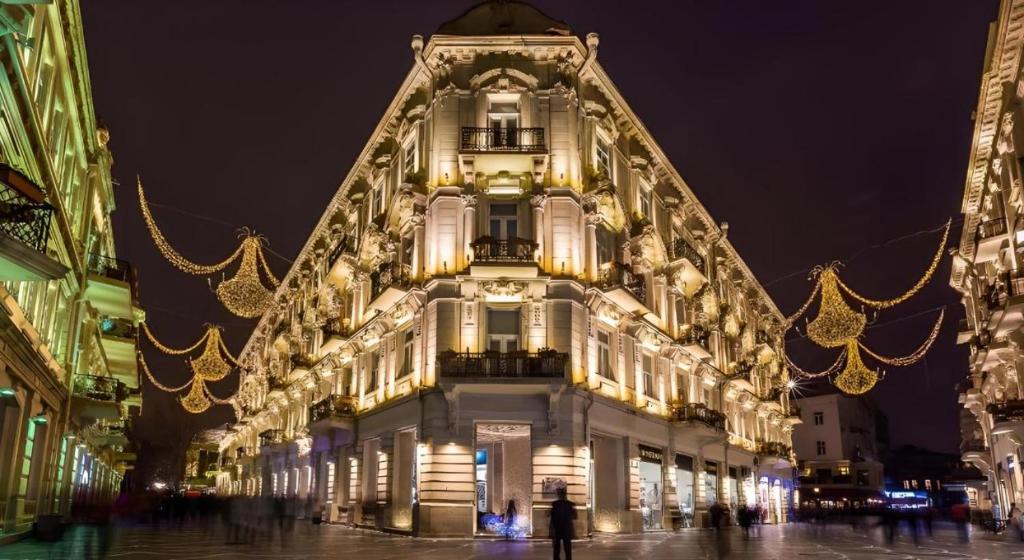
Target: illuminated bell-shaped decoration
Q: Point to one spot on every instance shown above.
(856, 378)
(196, 401)
(210, 365)
(244, 294)
(836, 324)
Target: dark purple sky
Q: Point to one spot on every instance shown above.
(814, 128)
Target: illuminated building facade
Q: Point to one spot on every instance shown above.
(837, 449)
(68, 377)
(514, 291)
(987, 269)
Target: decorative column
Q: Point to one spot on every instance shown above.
(538, 202)
(592, 219)
(672, 322)
(468, 228)
(418, 250)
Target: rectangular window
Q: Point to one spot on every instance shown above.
(409, 158)
(648, 371)
(906, 484)
(503, 330)
(26, 464)
(603, 152)
(821, 447)
(330, 482)
(373, 373)
(645, 194)
(407, 347)
(928, 484)
(377, 199)
(913, 484)
(819, 418)
(604, 354)
(504, 221)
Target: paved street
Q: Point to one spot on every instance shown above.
(309, 543)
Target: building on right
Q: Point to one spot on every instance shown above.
(838, 456)
(987, 268)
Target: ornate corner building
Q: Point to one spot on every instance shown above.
(986, 272)
(68, 376)
(513, 292)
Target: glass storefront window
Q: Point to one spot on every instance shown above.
(710, 483)
(650, 494)
(684, 488)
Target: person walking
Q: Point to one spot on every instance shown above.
(510, 520)
(563, 513)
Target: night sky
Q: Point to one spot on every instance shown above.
(816, 129)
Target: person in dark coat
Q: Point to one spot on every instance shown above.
(563, 512)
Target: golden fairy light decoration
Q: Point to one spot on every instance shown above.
(837, 325)
(244, 293)
(213, 364)
(856, 378)
(195, 401)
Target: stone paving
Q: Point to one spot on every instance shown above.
(307, 542)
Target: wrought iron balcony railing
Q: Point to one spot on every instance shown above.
(1011, 410)
(99, 388)
(115, 326)
(695, 412)
(973, 446)
(389, 274)
(483, 139)
(347, 244)
(547, 364)
(618, 275)
(681, 249)
(696, 334)
(23, 213)
(773, 448)
(513, 249)
(271, 437)
(335, 406)
(991, 228)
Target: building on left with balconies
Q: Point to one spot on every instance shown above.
(69, 382)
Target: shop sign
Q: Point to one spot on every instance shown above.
(650, 454)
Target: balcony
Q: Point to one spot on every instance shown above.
(992, 235)
(625, 288)
(502, 366)
(515, 250)
(774, 455)
(388, 284)
(695, 341)
(964, 331)
(793, 417)
(118, 337)
(682, 249)
(333, 412)
(1007, 418)
(482, 140)
(276, 384)
(24, 230)
(98, 398)
(111, 288)
(1006, 303)
(700, 415)
(271, 437)
(975, 452)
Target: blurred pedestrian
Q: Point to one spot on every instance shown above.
(562, 529)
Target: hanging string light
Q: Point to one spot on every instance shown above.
(914, 356)
(152, 378)
(244, 293)
(832, 369)
(836, 324)
(856, 378)
(886, 303)
(196, 400)
(216, 361)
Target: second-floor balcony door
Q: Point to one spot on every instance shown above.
(504, 221)
(503, 120)
(503, 330)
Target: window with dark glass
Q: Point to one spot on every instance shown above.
(503, 330)
(504, 220)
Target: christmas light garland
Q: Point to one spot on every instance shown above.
(914, 356)
(152, 378)
(886, 303)
(832, 369)
(244, 293)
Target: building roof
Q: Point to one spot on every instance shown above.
(503, 17)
